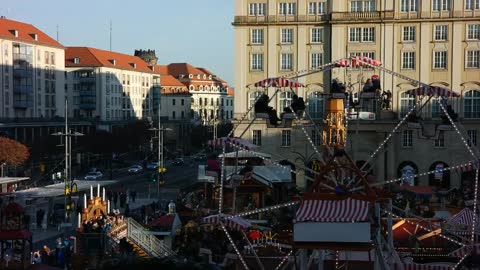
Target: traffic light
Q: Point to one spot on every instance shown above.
(154, 177)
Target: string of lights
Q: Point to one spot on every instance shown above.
(284, 260)
(265, 209)
(234, 246)
(475, 197)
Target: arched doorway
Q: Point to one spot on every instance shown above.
(440, 178)
(407, 170)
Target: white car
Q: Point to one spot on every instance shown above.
(92, 176)
(135, 169)
(152, 165)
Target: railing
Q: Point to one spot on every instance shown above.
(149, 243)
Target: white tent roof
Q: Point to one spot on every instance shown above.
(8, 180)
(268, 174)
(245, 154)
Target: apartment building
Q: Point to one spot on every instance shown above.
(212, 98)
(434, 41)
(109, 86)
(32, 73)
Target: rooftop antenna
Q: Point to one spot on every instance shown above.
(110, 35)
(57, 34)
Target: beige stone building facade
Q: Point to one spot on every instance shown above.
(434, 41)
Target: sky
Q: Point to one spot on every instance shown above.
(193, 31)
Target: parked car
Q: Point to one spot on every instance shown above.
(178, 162)
(92, 176)
(135, 169)
(200, 157)
(152, 165)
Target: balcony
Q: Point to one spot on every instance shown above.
(87, 79)
(23, 73)
(87, 105)
(88, 93)
(22, 89)
(362, 16)
(23, 104)
(239, 20)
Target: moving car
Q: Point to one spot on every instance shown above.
(178, 162)
(135, 169)
(92, 176)
(152, 165)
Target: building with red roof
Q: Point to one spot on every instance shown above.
(33, 72)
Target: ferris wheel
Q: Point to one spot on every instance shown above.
(341, 196)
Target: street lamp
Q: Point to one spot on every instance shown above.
(68, 160)
(161, 168)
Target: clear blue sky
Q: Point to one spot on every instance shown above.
(193, 31)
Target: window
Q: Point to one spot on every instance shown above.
(257, 61)
(173, 115)
(257, 36)
(316, 138)
(256, 9)
(473, 32)
(317, 35)
(441, 32)
(182, 102)
(408, 6)
(441, 5)
(440, 141)
(173, 102)
(252, 98)
(286, 61)
(316, 60)
(472, 137)
(285, 99)
(286, 137)
(183, 114)
(409, 33)
(407, 138)
(47, 57)
(257, 137)
(286, 35)
(471, 105)
(440, 60)
(436, 109)
(354, 34)
(316, 7)
(316, 105)
(287, 8)
(472, 4)
(362, 6)
(408, 60)
(52, 58)
(473, 59)
(368, 34)
(407, 101)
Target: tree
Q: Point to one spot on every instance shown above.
(12, 152)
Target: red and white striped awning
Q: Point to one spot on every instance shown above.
(278, 82)
(432, 91)
(233, 141)
(348, 210)
(464, 217)
(236, 223)
(357, 61)
(470, 166)
(459, 253)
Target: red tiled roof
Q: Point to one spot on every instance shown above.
(169, 80)
(230, 91)
(176, 69)
(100, 58)
(161, 69)
(25, 33)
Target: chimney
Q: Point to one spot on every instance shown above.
(112, 61)
(34, 36)
(14, 32)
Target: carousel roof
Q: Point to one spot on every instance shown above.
(348, 210)
(464, 217)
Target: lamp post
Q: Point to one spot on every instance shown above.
(68, 159)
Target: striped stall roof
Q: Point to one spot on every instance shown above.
(278, 82)
(347, 210)
(464, 217)
(357, 61)
(417, 266)
(432, 91)
(236, 223)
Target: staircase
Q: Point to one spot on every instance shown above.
(144, 244)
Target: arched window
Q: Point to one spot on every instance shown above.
(285, 99)
(200, 88)
(440, 178)
(211, 101)
(191, 87)
(193, 101)
(252, 96)
(407, 101)
(200, 101)
(316, 105)
(471, 104)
